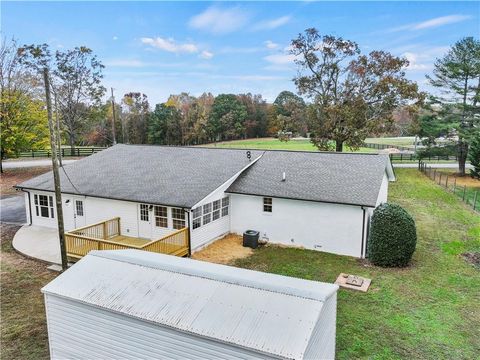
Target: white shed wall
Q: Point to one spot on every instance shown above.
(80, 331)
(333, 228)
(322, 341)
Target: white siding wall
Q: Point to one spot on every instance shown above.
(77, 330)
(383, 193)
(322, 341)
(27, 208)
(326, 227)
(202, 236)
(98, 209)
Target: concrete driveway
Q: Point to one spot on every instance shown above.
(12, 209)
(38, 242)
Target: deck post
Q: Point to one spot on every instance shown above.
(104, 230)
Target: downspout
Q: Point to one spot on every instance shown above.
(363, 253)
(29, 205)
(189, 233)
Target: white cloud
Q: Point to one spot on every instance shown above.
(280, 59)
(205, 55)
(423, 58)
(170, 45)
(220, 21)
(271, 24)
(270, 44)
(115, 38)
(432, 23)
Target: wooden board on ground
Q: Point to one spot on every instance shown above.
(347, 281)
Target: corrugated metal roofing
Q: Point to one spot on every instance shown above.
(179, 176)
(315, 176)
(268, 313)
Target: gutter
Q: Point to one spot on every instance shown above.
(362, 252)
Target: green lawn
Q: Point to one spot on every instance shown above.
(430, 310)
(275, 144)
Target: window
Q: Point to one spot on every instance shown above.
(144, 215)
(267, 204)
(197, 217)
(178, 216)
(44, 206)
(161, 217)
(207, 213)
(216, 209)
(225, 203)
(79, 207)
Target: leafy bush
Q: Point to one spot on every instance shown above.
(474, 157)
(392, 238)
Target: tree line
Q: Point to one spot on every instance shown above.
(343, 96)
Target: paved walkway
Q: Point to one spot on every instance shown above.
(12, 209)
(38, 242)
(32, 163)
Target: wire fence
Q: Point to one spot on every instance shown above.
(469, 195)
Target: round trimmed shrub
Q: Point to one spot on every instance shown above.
(393, 236)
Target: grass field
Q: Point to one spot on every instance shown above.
(23, 330)
(430, 310)
(401, 141)
(275, 144)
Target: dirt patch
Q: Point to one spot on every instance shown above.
(461, 180)
(11, 177)
(472, 258)
(224, 251)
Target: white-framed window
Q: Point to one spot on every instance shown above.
(79, 207)
(197, 217)
(216, 209)
(161, 216)
(144, 213)
(207, 213)
(178, 216)
(267, 204)
(225, 203)
(44, 206)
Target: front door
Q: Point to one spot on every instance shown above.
(144, 221)
(79, 212)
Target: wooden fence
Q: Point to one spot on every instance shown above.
(470, 196)
(65, 152)
(106, 235)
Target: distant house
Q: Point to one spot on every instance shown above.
(133, 304)
(316, 200)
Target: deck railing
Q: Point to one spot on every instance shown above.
(101, 236)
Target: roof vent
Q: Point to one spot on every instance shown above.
(283, 176)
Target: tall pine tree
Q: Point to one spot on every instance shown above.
(474, 156)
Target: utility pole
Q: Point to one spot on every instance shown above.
(59, 139)
(113, 122)
(56, 176)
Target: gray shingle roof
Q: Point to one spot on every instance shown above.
(179, 176)
(315, 176)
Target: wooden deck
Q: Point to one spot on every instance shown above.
(106, 235)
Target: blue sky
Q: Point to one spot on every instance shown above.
(163, 48)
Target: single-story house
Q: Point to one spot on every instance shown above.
(131, 304)
(316, 200)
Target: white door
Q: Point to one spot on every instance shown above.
(144, 221)
(79, 212)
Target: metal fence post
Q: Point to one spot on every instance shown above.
(464, 190)
(475, 200)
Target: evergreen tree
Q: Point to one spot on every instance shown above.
(474, 156)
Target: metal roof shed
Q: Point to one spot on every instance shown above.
(135, 304)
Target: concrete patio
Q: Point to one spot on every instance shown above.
(38, 242)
